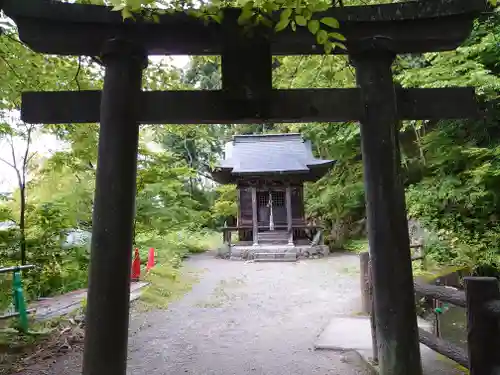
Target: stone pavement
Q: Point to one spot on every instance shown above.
(354, 333)
(49, 308)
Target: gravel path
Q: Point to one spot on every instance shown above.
(244, 318)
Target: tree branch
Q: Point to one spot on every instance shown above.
(8, 163)
(29, 129)
(78, 72)
(14, 162)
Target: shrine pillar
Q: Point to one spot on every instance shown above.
(255, 223)
(394, 296)
(107, 317)
(289, 218)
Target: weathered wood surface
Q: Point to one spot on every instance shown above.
(443, 347)
(455, 297)
(493, 308)
(392, 279)
(246, 65)
(285, 106)
(366, 301)
(74, 29)
(107, 316)
(294, 226)
(483, 330)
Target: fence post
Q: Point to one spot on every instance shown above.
(372, 314)
(366, 303)
(367, 298)
(483, 331)
(19, 303)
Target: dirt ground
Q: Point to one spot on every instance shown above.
(241, 318)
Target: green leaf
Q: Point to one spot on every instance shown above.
(313, 26)
(134, 5)
(321, 6)
(118, 7)
(337, 36)
(248, 6)
(266, 21)
(245, 15)
(282, 25)
(285, 14)
(307, 14)
(328, 47)
(339, 45)
(293, 25)
(126, 13)
(216, 17)
(322, 37)
(300, 20)
(331, 22)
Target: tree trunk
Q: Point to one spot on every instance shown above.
(22, 224)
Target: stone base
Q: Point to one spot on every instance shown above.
(354, 334)
(276, 252)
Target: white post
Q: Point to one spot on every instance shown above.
(289, 218)
(255, 224)
(271, 218)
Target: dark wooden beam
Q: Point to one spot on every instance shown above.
(483, 331)
(285, 106)
(107, 316)
(450, 295)
(246, 64)
(76, 29)
(443, 347)
(392, 279)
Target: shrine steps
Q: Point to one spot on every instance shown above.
(273, 238)
(275, 257)
(276, 253)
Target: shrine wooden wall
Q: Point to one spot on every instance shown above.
(245, 203)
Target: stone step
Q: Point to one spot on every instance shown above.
(273, 236)
(275, 257)
(273, 242)
(274, 260)
(273, 232)
(273, 239)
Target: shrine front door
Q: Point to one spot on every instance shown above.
(271, 212)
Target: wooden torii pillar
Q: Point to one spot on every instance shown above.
(375, 35)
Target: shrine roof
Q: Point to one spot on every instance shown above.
(270, 154)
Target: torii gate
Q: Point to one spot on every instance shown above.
(375, 34)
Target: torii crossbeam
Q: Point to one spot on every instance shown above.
(375, 35)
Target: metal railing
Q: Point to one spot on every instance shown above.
(18, 296)
(481, 299)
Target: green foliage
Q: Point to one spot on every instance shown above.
(225, 205)
(292, 14)
(451, 168)
(455, 192)
(356, 246)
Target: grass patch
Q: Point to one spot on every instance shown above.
(167, 283)
(356, 246)
(169, 280)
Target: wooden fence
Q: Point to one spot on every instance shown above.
(481, 299)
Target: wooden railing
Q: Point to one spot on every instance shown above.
(481, 299)
(227, 231)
